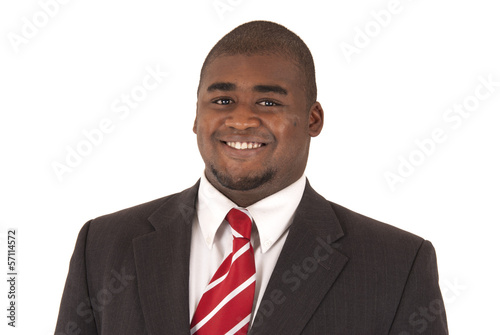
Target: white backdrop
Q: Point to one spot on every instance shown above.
(411, 92)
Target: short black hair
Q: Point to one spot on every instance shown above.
(264, 37)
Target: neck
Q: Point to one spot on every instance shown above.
(245, 198)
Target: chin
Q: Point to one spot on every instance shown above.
(245, 183)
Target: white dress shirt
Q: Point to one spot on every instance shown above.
(212, 242)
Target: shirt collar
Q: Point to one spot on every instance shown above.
(272, 215)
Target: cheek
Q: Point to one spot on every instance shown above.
(202, 137)
(293, 136)
(291, 128)
(209, 121)
(205, 126)
(283, 126)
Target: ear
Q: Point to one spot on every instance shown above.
(316, 117)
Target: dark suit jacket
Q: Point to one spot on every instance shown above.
(339, 273)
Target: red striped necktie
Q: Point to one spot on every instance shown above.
(226, 304)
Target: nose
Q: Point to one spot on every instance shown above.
(242, 117)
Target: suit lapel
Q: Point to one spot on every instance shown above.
(162, 263)
(306, 269)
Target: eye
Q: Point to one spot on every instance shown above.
(223, 101)
(268, 103)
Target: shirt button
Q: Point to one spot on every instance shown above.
(208, 240)
(267, 243)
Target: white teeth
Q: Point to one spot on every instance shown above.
(244, 145)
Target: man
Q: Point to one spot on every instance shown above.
(251, 247)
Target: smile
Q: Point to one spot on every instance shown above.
(244, 145)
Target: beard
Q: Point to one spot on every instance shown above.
(242, 184)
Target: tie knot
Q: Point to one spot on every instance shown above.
(241, 223)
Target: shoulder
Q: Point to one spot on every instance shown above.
(126, 224)
(353, 231)
(375, 241)
(129, 219)
(137, 212)
(360, 225)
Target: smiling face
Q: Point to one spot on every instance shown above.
(253, 125)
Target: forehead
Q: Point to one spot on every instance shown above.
(249, 70)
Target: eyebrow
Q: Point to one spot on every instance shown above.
(223, 86)
(270, 89)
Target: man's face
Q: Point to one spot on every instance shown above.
(253, 124)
